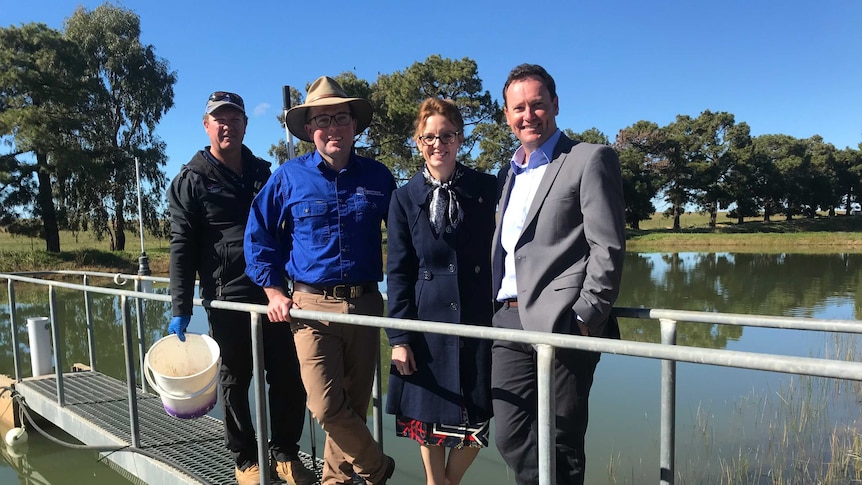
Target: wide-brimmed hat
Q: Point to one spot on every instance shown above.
(326, 91)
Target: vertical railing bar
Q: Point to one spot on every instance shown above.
(134, 425)
(91, 334)
(260, 395)
(547, 414)
(13, 325)
(142, 343)
(58, 342)
(377, 399)
(668, 406)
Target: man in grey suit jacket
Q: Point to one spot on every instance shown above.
(557, 262)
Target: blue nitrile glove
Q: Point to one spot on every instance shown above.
(179, 325)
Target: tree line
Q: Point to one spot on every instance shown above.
(78, 107)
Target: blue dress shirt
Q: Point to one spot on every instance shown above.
(312, 224)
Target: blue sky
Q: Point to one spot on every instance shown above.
(787, 67)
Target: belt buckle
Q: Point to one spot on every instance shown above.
(339, 292)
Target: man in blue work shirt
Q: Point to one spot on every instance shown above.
(317, 225)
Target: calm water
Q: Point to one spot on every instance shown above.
(724, 416)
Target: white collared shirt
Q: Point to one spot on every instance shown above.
(527, 176)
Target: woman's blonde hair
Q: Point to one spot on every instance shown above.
(442, 107)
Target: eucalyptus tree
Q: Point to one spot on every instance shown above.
(396, 98)
(677, 149)
(135, 88)
(715, 141)
(791, 163)
(641, 158)
(849, 176)
(42, 88)
(747, 183)
(825, 191)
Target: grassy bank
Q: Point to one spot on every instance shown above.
(819, 235)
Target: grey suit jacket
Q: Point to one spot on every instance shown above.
(569, 257)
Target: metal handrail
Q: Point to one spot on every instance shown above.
(545, 344)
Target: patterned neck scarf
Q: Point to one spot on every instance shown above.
(444, 211)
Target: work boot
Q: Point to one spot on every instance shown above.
(249, 476)
(294, 472)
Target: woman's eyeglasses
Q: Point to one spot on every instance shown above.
(445, 138)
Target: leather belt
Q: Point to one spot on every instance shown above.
(339, 292)
(510, 303)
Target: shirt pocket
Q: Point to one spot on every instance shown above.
(311, 223)
(367, 206)
(361, 206)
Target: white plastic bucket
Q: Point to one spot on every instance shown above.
(184, 374)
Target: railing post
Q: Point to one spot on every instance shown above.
(260, 395)
(58, 342)
(547, 410)
(91, 336)
(130, 373)
(377, 399)
(668, 405)
(13, 325)
(142, 343)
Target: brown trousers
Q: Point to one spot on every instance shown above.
(337, 363)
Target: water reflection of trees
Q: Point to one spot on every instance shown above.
(764, 284)
(107, 322)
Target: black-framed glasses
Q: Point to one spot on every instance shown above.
(228, 97)
(323, 121)
(445, 138)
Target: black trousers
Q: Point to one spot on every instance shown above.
(232, 331)
(514, 390)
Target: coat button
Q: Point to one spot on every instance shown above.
(426, 275)
(460, 344)
(451, 268)
(477, 269)
(453, 306)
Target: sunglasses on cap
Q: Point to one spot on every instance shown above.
(227, 97)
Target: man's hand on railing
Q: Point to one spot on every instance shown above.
(278, 308)
(178, 325)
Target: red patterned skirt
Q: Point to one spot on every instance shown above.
(470, 435)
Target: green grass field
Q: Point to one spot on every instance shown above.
(821, 234)
(81, 251)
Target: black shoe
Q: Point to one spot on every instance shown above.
(390, 469)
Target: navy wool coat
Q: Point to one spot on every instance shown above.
(445, 278)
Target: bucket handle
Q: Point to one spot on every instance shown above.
(167, 394)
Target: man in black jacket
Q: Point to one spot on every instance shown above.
(209, 203)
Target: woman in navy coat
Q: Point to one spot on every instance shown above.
(438, 268)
